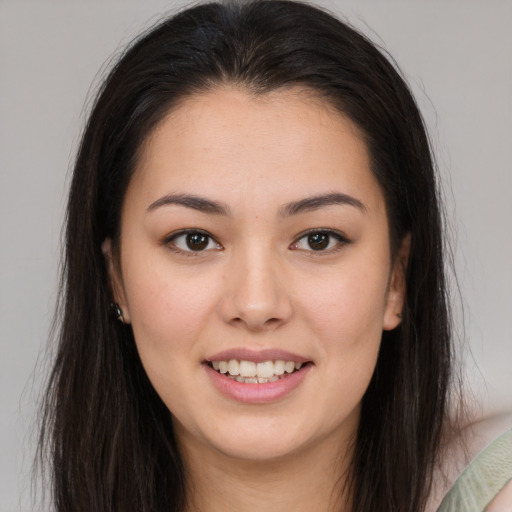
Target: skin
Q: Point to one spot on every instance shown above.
(258, 285)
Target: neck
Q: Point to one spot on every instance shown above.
(309, 480)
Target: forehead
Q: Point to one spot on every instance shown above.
(227, 141)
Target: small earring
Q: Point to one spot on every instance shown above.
(399, 315)
(117, 312)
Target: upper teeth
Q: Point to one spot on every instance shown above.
(266, 369)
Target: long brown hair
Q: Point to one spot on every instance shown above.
(108, 435)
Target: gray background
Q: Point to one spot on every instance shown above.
(456, 54)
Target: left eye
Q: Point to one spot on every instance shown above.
(319, 241)
(195, 241)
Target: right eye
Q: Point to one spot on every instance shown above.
(193, 241)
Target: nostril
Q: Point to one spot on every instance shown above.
(254, 324)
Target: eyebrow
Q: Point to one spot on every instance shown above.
(309, 204)
(211, 207)
(190, 201)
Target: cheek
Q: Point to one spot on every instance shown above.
(349, 305)
(346, 317)
(169, 314)
(346, 320)
(168, 310)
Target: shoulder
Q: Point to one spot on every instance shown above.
(463, 453)
(503, 500)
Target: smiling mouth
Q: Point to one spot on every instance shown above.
(249, 372)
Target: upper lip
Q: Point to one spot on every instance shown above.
(257, 356)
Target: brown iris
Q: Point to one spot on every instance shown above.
(196, 241)
(318, 241)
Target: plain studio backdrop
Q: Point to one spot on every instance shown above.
(457, 56)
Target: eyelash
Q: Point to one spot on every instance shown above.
(340, 238)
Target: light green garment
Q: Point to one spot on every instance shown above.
(483, 479)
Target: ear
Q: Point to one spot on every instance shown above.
(116, 283)
(397, 286)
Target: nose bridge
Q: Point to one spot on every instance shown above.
(254, 295)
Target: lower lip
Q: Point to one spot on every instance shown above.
(257, 393)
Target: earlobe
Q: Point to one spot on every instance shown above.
(397, 287)
(116, 285)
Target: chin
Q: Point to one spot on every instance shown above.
(260, 450)
(261, 439)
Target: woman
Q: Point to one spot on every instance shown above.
(255, 309)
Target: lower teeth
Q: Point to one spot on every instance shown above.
(256, 380)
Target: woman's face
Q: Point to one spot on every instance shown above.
(254, 239)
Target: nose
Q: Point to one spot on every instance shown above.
(256, 294)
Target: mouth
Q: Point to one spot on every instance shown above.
(250, 372)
